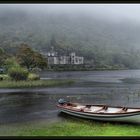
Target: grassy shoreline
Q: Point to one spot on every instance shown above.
(36, 83)
(74, 127)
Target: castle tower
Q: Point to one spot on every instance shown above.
(72, 58)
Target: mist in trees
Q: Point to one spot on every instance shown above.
(106, 35)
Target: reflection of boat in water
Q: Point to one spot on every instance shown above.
(100, 112)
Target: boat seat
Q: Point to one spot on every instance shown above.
(72, 104)
(88, 106)
(123, 110)
(103, 108)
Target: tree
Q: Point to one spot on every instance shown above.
(53, 41)
(1, 50)
(30, 58)
(39, 60)
(3, 56)
(10, 62)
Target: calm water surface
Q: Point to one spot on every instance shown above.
(101, 87)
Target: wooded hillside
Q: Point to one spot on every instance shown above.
(102, 41)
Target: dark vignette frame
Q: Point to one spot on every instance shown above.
(69, 2)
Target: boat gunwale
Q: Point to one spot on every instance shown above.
(95, 116)
(102, 113)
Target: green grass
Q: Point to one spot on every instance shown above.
(71, 128)
(36, 83)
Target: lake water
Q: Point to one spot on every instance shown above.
(101, 87)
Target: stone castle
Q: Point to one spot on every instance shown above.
(55, 59)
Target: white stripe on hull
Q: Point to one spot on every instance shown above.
(133, 118)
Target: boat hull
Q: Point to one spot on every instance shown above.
(133, 118)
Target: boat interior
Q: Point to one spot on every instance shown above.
(101, 108)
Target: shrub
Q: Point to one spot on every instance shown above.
(33, 76)
(4, 77)
(18, 73)
(35, 70)
(10, 62)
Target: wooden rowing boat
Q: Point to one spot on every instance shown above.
(100, 112)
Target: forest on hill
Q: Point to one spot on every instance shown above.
(103, 41)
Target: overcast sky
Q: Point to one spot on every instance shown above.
(130, 11)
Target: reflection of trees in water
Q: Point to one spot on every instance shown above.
(25, 102)
(26, 106)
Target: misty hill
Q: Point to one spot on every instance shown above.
(102, 41)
